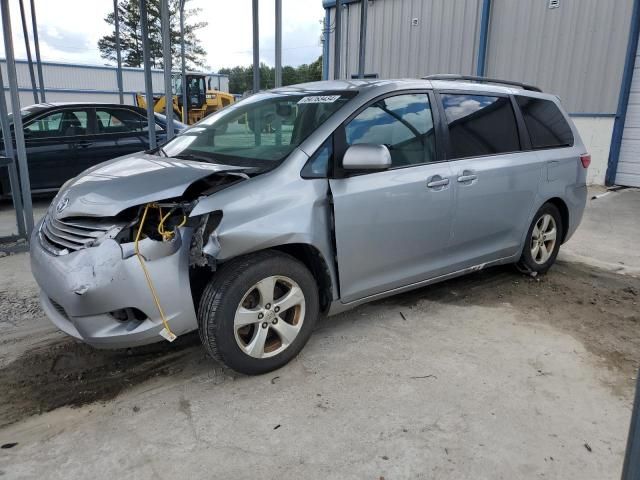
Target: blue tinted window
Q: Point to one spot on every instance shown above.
(546, 125)
(403, 123)
(318, 165)
(480, 125)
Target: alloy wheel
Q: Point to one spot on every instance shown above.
(543, 239)
(269, 316)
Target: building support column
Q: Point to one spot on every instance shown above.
(278, 67)
(23, 166)
(364, 7)
(36, 42)
(183, 67)
(116, 18)
(326, 32)
(27, 46)
(484, 38)
(166, 62)
(337, 29)
(148, 84)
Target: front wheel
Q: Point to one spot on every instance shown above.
(543, 240)
(258, 312)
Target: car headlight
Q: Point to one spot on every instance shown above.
(211, 96)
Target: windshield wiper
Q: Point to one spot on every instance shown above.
(191, 156)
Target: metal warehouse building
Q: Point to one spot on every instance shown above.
(69, 82)
(582, 50)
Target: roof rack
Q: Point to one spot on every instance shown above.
(471, 78)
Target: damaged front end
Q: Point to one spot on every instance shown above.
(120, 280)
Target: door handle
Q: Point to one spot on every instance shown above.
(84, 144)
(437, 181)
(467, 177)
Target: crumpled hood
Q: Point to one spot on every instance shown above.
(108, 188)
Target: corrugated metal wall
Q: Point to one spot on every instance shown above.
(444, 39)
(66, 83)
(628, 172)
(576, 51)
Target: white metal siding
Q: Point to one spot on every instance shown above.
(444, 41)
(628, 172)
(82, 83)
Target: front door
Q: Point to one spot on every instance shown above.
(52, 142)
(392, 227)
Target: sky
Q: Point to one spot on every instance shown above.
(69, 30)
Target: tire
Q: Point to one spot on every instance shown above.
(240, 289)
(540, 251)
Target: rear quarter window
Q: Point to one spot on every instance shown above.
(545, 123)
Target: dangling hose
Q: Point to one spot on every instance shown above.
(166, 235)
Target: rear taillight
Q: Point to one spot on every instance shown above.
(585, 160)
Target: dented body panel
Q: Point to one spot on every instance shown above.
(274, 209)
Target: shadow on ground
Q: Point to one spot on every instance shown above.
(70, 373)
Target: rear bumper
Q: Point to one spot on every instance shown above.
(81, 291)
(576, 199)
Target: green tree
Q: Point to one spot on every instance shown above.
(241, 78)
(130, 35)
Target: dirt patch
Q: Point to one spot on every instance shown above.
(599, 308)
(69, 373)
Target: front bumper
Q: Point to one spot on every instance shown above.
(81, 291)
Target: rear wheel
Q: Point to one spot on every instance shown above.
(543, 240)
(258, 312)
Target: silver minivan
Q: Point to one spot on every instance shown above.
(309, 200)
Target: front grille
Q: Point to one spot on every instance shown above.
(61, 237)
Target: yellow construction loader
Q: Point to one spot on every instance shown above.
(202, 97)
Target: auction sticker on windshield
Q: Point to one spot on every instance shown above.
(319, 99)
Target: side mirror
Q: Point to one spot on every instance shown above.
(366, 157)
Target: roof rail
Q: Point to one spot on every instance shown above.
(471, 78)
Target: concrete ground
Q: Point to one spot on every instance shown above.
(608, 235)
(493, 375)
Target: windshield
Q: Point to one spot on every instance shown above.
(259, 131)
(27, 111)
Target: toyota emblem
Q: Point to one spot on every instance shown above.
(62, 204)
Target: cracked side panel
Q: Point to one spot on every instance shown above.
(274, 209)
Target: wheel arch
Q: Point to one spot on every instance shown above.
(313, 259)
(307, 254)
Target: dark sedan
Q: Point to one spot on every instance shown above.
(64, 139)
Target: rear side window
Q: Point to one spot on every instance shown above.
(545, 123)
(119, 121)
(480, 125)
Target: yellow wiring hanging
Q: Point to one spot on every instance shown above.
(166, 332)
(168, 234)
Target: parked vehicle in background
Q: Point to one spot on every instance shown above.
(356, 190)
(64, 139)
